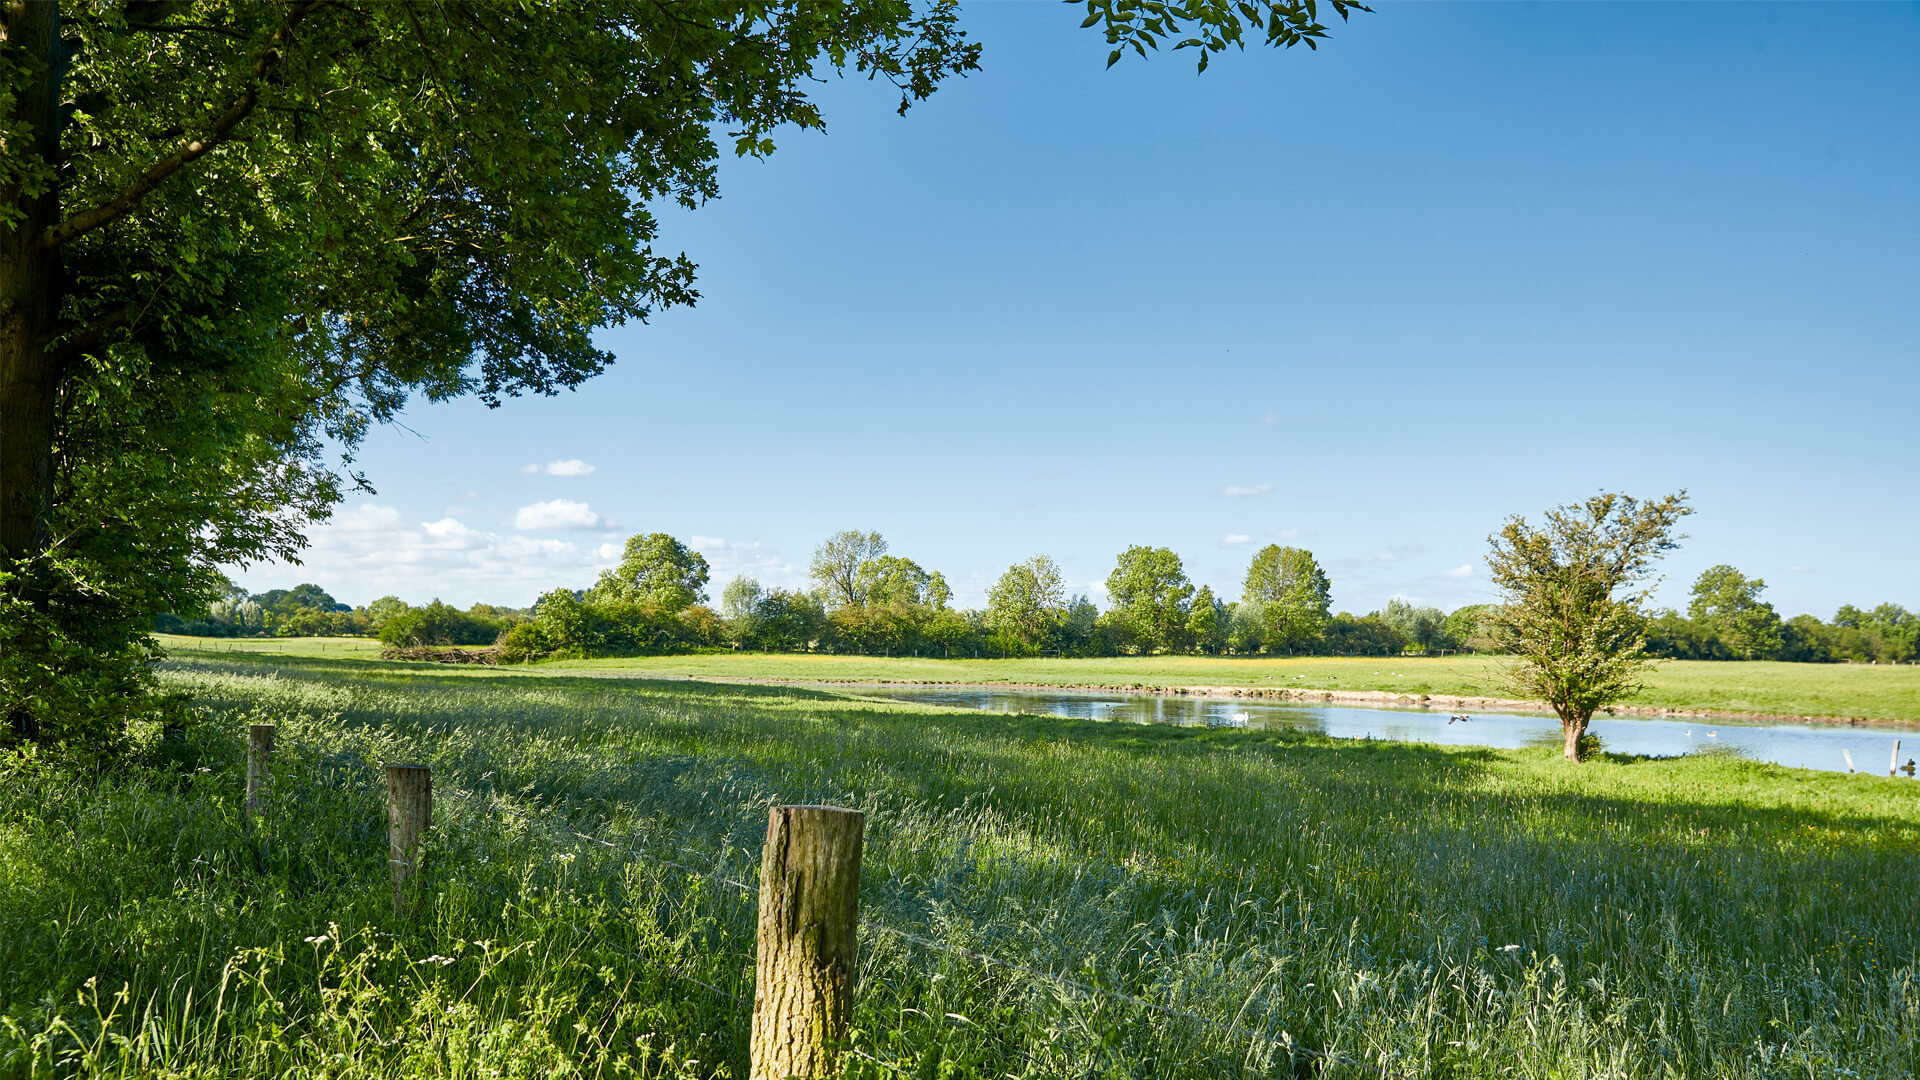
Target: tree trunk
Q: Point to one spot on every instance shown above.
(30, 281)
(807, 950)
(1574, 730)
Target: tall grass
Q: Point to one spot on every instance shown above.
(1426, 911)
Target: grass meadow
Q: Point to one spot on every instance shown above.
(1882, 692)
(1390, 909)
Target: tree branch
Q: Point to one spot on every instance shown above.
(113, 209)
(186, 28)
(92, 336)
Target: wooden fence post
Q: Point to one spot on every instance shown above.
(409, 811)
(258, 754)
(1893, 767)
(807, 947)
(1848, 754)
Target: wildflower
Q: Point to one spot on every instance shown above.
(317, 939)
(1509, 948)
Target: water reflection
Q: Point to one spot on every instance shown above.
(1807, 746)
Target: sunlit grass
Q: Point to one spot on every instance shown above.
(1886, 692)
(1435, 911)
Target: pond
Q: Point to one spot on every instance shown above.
(1802, 745)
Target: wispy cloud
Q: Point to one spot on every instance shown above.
(1463, 570)
(728, 559)
(1241, 491)
(557, 514)
(1236, 538)
(569, 467)
(1269, 419)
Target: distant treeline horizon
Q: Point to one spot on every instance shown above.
(865, 600)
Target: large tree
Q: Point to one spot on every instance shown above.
(1028, 602)
(1151, 597)
(234, 232)
(1292, 594)
(231, 232)
(1727, 604)
(1573, 592)
(837, 561)
(657, 570)
(892, 581)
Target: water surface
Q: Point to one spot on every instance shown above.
(1805, 745)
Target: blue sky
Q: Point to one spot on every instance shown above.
(1465, 261)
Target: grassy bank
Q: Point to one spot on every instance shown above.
(1871, 692)
(1434, 912)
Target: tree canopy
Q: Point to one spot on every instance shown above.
(1292, 592)
(837, 561)
(233, 235)
(1028, 601)
(657, 570)
(1727, 604)
(1151, 597)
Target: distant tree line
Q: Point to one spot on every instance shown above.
(310, 611)
(1726, 620)
(864, 599)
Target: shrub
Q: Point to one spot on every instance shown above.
(438, 624)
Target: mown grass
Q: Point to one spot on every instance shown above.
(1885, 692)
(1430, 911)
(337, 647)
(1879, 692)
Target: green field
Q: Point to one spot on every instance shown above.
(1427, 911)
(1867, 691)
(1835, 690)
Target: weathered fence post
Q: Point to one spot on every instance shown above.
(258, 758)
(1848, 754)
(409, 811)
(807, 948)
(1893, 766)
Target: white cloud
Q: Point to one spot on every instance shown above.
(569, 467)
(370, 550)
(365, 518)
(1289, 534)
(1238, 490)
(1269, 419)
(1463, 570)
(1237, 538)
(557, 514)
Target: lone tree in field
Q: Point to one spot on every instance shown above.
(1572, 592)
